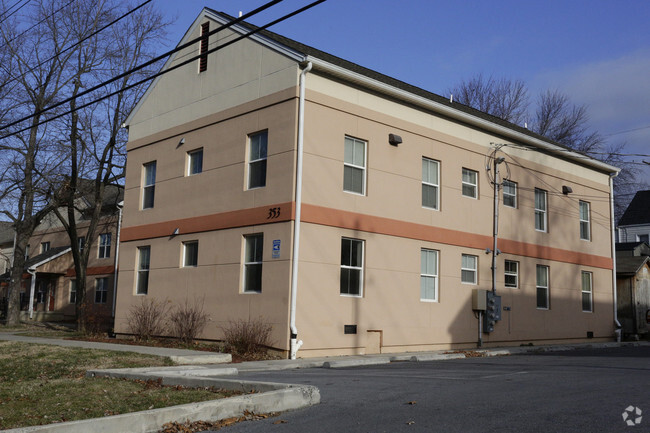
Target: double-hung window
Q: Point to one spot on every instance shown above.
(144, 259)
(81, 243)
(428, 275)
(194, 162)
(509, 193)
(148, 184)
(587, 292)
(190, 254)
(257, 154)
(253, 254)
(511, 274)
(351, 267)
(104, 251)
(430, 183)
(73, 292)
(585, 221)
(540, 210)
(354, 166)
(470, 183)
(468, 269)
(542, 287)
(101, 290)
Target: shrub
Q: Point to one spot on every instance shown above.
(248, 337)
(187, 320)
(96, 321)
(148, 319)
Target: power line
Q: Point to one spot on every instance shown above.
(231, 23)
(135, 69)
(9, 16)
(41, 21)
(628, 130)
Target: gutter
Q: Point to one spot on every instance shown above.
(120, 207)
(456, 114)
(611, 210)
(294, 342)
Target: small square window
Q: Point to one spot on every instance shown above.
(468, 268)
(45, 247)
(194, 162)
(190, 254)
(470, 183)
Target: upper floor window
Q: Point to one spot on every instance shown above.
(258, 144)
(81, 243)
(643, 238)
(351, 267)
(104, 251)
(191, 254)
(428, 275)
(144, 259)
(511, 274)
(468, 269)
(148, 184)
(587, 292)
(540, 210)
(194, 162)
(354, 166)
(509, 193)
(542, 287)
(430, 183)
(470, 183)
(203, 48)
(253, 255)
(585, 221)
(45, 247)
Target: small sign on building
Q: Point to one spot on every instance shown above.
(276, 249)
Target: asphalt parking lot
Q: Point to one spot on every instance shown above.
(585, 390)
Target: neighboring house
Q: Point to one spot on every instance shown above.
(633, 287)
(634, 225)
(49, 286)
(6, 258)
(377, 228)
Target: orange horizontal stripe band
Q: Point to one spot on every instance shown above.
(354, 221)
(240, 218)
(95, 270)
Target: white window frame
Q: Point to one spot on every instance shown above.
(589, 291)
(545, 287)
(260, 161)
(187, 257)
(143, 271)
(427, 274)
(464, 269)
(194, 162)
(468, 183)
(45, 247)
(257, 260)
(81, 243)
(431, 183)
(541, 211)
(104, 246)
(101, 290)
(511, 195)
(72, 294)
(509, 273)
(353, 267)
(148, 185)
(351, 164)
(585, 221)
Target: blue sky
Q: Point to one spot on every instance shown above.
(596, 51)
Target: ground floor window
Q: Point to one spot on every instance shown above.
(428, 275)
(542, 287)
(587, 292)
(73, 292)
(253, 257)
(351, 267)
(144, 258)
(101, 290)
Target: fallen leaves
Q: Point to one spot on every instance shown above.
(199, 426)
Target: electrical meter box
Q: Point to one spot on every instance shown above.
(479, 299)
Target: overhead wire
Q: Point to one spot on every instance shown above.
(12, 13)
(151, 77)
(40, 22)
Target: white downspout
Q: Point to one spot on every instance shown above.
(294, 342)
(120, 206)
(32, 289)
(611, 209)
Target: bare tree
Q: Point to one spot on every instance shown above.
(500, 97)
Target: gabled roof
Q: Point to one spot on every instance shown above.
(45, 257)
(628, 266)
(638, 211)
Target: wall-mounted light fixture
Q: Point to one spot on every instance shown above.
(394, 139)
(180, 143)
(566, 189)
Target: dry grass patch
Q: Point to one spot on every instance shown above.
(45, 384)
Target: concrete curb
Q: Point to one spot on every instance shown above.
(356, 362)
(271, 397)
(216, 358)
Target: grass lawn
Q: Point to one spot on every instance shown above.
(42, 384)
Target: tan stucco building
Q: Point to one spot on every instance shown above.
(394, 203)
